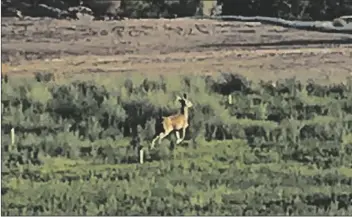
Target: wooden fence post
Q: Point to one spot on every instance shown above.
(141, 156)
(230, 99)
(12, 136)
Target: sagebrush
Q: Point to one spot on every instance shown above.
(271, 150)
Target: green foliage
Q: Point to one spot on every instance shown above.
(274, 150)
(159, 8)
(287, 9)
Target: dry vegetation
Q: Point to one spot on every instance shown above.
(75, 150)
(173, 46)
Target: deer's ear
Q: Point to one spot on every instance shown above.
(178, 98)
(185, 96)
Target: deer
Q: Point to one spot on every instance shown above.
(175, 122)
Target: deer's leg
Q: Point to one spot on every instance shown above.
(178, 137)
(179, 140)
(160, 137)
(183, 134)
(163, 135)
(153, 142)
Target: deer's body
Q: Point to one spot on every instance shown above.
(175, 122)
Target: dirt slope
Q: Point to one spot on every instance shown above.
(172, 46)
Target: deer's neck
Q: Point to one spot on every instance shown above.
(184, 112)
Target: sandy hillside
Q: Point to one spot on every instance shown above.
(173, 46)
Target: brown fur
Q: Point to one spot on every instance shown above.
(175, 122)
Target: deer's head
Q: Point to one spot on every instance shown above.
(185, 103)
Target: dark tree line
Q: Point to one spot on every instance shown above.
(287, 9)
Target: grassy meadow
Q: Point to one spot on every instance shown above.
(279, 148)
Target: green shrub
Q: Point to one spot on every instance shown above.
(282, 150)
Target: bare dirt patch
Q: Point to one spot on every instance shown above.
(173, 46)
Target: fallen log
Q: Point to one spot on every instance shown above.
(339, 25)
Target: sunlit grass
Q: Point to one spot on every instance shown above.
(241, 168)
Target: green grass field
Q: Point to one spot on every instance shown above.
(275, 150)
